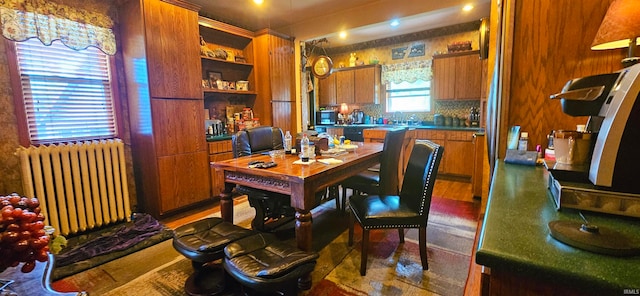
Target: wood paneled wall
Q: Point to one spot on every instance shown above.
(551, 45)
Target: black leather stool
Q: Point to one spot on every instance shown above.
(203, 242)
(265, 265)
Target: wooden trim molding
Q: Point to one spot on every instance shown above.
(184, 4)
(18, 99)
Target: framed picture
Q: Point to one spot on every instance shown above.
(417, 50)
(240, 60)
(398, 53)
(213, 77)
(206, 83)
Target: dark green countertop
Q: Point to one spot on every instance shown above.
(515, 235)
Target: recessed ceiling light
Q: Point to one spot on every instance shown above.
(467, 7)
(394, 23)
(343, 35)
(259, 2)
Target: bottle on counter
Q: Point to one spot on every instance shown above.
(287, 143)
(304, 148)
(523, 142)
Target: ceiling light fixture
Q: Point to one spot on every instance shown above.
(343, 35)
(395, 23)
(259, 2)
(467, 7)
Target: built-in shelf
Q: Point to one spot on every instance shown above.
(227, 61)
(228, 91)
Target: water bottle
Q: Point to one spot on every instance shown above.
(287, 143)
(304, 148)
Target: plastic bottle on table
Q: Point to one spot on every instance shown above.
(304, 148)
(287, 143)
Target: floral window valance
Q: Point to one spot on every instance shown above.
(49, 21)
(409, 72)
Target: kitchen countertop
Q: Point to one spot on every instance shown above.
(515, 236)
(436, 127)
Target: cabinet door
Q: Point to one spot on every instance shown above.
(327, 91)
(177, 126)
(344, 87)
(444, 78)
(459, 158)
(184, 180)
(365, 85)
(468, 76)
(173, 51)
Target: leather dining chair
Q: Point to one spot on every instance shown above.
(408, 209)
(272, 209)
(385, 180)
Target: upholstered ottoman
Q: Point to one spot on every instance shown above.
(264, 265)
(203, 242)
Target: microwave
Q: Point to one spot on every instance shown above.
(326, 117)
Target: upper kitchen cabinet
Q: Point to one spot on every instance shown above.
(228, 54)
(353, 85)
(162, 73)
(457, 76)
(275, 78)
(326, 90)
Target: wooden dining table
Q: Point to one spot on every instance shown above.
(300, 181)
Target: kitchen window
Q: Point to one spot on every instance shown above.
(409, 96)
(65, 95)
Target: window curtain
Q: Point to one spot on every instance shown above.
(49, 21)
(409, 72)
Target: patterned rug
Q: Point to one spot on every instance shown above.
(392, 269)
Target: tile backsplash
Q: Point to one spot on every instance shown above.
(458, 108)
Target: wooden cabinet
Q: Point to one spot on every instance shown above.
(163, 71)
(275, 103)
(218, 151)
(353, 85)
(335, 131)
(345, 87)
(238, 44)
(326, 91)
(458, 157)
(457, 76)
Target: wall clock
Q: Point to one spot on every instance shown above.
(484, 38)
(321, 66)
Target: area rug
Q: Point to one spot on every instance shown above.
(103, 245)
(393, 268)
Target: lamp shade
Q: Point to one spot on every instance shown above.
(620, 25)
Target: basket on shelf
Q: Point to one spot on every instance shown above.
(459, 46)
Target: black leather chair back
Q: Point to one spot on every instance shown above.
(420, 176)
(389, 161)
(257, 140)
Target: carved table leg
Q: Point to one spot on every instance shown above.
(226, 202)
(303, 237)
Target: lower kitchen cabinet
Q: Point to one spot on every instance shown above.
(458, 157)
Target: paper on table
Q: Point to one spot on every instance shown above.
(299, 161)
(330, 161)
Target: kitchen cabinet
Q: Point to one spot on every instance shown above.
(275, 102)
(326, 91)
(457, 76)
(458, 157)
(335, 131)
(353, 85)
(163, 77)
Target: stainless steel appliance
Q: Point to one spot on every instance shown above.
(607, 182)
(357, 117)
(326, 117)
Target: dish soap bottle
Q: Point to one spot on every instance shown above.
(523, 142)
(287, 143)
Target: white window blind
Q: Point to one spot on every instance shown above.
(67, 93)
(409, 96)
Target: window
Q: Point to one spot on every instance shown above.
(67, 94)
(407, 96)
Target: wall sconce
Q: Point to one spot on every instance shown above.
(620, 28)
